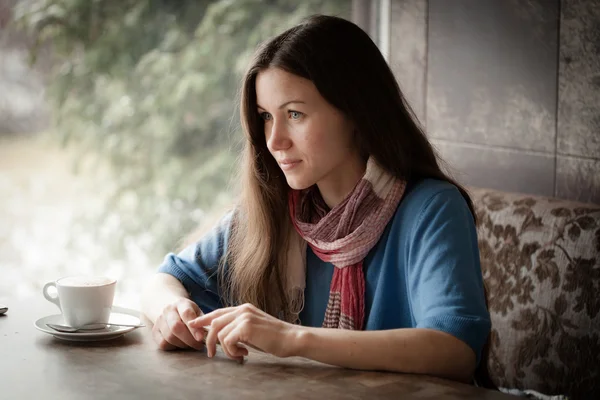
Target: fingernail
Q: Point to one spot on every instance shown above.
(198, 336)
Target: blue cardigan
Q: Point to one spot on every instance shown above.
(423, 273)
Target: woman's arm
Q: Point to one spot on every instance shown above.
(162, 290)
(166, 303)
(189, 274)
(410, 350)
(185, 286)
(444, 287)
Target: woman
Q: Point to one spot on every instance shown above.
(349, 245)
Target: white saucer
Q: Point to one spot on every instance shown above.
(118, 316)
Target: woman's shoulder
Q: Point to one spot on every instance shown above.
(428, 198)
(428, 205)
(420, 194)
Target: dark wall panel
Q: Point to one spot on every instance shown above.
(579, 79)
(509, 170)
(578, 178)
(509, 89)
(408, 55)
(492, 68)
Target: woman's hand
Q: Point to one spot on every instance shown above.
(171, 330)
(248, 325)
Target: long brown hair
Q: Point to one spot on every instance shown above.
(349, 71)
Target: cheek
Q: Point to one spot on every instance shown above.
(325, 140)
(310, 138)
(316, 142)
(320, 149)
(332, 141)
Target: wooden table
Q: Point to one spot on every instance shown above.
(35, 365)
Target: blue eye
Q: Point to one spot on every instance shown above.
(266, 116)
(295, 114)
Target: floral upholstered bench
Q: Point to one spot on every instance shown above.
(541, 266)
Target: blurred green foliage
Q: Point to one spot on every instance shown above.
(149, 87)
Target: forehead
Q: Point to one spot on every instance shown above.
(275, 86)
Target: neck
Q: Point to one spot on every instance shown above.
(335, 187)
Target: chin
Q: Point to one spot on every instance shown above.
(299, 184)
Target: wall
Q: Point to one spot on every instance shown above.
(509, 91)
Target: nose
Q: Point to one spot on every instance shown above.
(277, 136)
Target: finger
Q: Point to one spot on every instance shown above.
(230, 339)
(206, 319)
(180, 331)
(189, 310)
(230, 348)
(221, 336)
(162, 344)
(210, 342)
(215, 327)
(241, 336)
(168, 335)
(158, 337)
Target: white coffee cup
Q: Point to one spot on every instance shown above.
(83, 300)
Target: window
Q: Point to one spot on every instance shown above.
(122, 136)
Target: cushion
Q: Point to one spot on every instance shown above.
(541, 268)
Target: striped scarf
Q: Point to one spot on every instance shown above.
(342, 236)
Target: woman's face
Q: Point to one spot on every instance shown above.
(310, 139)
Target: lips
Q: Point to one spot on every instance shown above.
(288, 164)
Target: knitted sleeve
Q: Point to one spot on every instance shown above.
(196, 266)
(444, 278)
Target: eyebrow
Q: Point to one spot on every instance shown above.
(284, 104)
